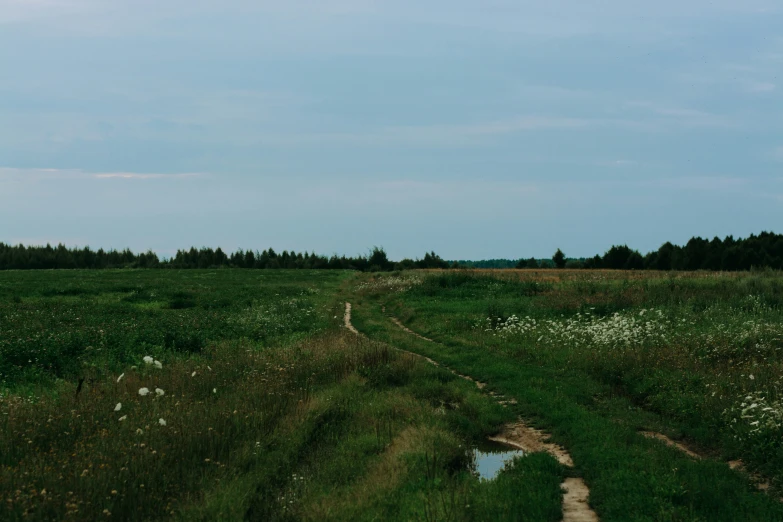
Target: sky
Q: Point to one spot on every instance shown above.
(491, 129)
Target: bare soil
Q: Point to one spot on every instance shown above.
(575, 507)
(347, 319)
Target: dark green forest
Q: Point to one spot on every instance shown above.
(22, 257)
(764, 250)
(756, 251)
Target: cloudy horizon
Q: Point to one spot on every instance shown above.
(503, 129)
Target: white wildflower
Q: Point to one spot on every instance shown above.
(161, 422)
(159, 392)
(144, 392)
(193, 374)
(123, 418)
(214, 390)
(118, 407)
(120, 377)
(147, 359)
(158, 365)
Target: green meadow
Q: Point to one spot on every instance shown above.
(235, 394)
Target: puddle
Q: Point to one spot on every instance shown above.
(516, 439)
(491, 457)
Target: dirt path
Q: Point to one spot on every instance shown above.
(521, 436)
(673, 443)
(761, 483)
(399, 323)
(347, 319)
(575, 506)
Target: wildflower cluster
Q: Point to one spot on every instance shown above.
(149, 361)
(640, 328)
(143, 391)
(740, 341)
(391, 283)
(756, 417)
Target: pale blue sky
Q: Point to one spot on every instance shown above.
(500, 128)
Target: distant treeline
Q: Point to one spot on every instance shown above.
(22, 257)
(508, 263)
(756, 251)
(488, 263)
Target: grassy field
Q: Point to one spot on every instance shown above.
(598, 357)
(233, 395)
(239, 395)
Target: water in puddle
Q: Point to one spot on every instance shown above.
(491, 457)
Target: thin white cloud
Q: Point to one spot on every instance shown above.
(754, 75)
(699, 183)
(447, 134)
(81, 174)
(26, 10)
(431, 189)
(536, 19)
(617, 163)
(388, 196)
(523, 123)
(759, 87)
(136, 175)
(682, 116)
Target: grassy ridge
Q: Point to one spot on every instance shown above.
(594, 391)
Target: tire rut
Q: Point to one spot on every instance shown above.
(518, 435)
(761, 483)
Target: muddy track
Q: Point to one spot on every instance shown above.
(761, 483)
(518, 435)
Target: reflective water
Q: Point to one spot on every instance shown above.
(491, 457)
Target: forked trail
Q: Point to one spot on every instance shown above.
(518, 435)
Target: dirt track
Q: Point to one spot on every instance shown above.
(520, 436)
